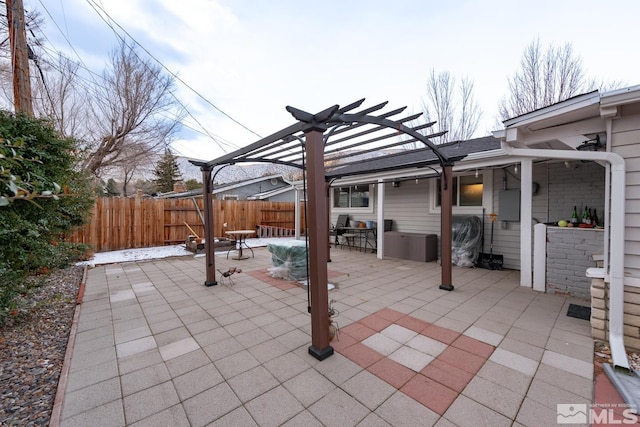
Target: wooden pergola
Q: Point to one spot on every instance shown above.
(314, 144)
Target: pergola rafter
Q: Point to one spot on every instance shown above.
(303, 145)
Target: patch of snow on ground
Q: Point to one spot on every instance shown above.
(157, 252)
(139, 254)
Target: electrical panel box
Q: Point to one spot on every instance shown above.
(509, 205)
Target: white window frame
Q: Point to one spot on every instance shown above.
(487, 195)
(368, 209)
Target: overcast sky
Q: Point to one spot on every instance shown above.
(252, 58)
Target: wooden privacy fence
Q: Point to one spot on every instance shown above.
(120, 223)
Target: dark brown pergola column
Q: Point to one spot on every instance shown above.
(328, 188)
(209, 245)
(446, 203)
(317, 213)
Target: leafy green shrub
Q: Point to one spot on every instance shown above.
(52, 198)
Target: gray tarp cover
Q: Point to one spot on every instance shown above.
(289, 259)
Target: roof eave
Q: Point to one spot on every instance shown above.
(618, 97)
(572, 104)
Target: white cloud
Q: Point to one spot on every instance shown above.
(251, 58)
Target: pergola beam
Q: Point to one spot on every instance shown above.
(285, 144)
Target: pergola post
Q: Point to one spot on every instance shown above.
(328, 203)
(446, 203)
(318, 236)
(209, 244)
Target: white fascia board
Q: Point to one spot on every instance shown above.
(560, 108)
(617, 97)
(482, 155)
(499, 134)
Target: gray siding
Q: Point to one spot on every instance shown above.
(625, 141)
(408, 204)
(289, 196)
(408, 207)
(506, 235)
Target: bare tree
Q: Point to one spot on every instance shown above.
(469, 113)
(133, 107)
(451, 106)
(137, 161)
(544, 78)
(60, 95)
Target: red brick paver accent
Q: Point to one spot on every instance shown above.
(440, 382)
(430, 393)
(391, 372)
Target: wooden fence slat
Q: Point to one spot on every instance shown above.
(119, 223)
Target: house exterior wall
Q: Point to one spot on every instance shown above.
(408, 206)
(283, 197)
(569, 253)
(625, 141)
(600, 313)
(575, 184)
(244, 191)
(506, 235)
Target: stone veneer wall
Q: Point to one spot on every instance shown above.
(569, 253)
(600, 313)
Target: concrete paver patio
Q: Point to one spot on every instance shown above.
(155, 347)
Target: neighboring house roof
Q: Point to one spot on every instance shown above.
(270, 178)
(182, 195)
(279, 179)
(271, 193)
(416, 158)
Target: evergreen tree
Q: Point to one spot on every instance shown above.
(192, 184)
(166, 172)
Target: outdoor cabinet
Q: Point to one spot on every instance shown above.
(411, 246)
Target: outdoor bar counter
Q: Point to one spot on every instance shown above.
(570, 252)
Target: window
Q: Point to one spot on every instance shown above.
(355, 196)
(469, 192)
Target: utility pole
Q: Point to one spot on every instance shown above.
(19, 57)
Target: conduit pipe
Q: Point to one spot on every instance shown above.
(616, 230)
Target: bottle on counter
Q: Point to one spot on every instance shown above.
(574, 216)
(585, 216)
(595, 220)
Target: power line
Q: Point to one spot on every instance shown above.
(93, 81)
(65, 37)
(90, 85)
(94, 6)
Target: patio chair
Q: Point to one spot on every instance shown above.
(349, 240)
(337, 230)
